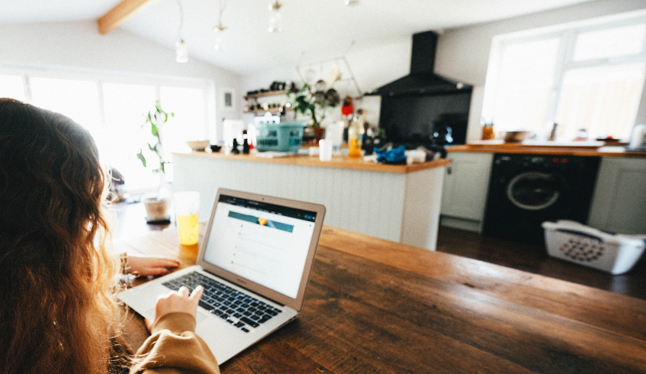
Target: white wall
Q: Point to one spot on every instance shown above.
(79, 46)
(371, 65)
(462, 54)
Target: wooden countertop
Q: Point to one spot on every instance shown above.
(338, 162)
(604, 151)
(378, 306)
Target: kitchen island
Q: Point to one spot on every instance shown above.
(395, 202)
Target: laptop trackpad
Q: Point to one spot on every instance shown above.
(200, 316)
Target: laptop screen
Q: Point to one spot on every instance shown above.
(264, 243)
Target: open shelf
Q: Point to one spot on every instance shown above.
(270, 93)
(271, 110)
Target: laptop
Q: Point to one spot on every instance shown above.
(254, 264)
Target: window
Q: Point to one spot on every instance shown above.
(522, 99)
(588, 78)
(122, 136)
(76, 99)
(601, 99)
(12, 86)
(113, 112)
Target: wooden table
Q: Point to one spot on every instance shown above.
(375, 306)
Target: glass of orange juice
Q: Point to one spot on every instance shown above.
(187, 206)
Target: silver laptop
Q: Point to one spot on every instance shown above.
(254, 264)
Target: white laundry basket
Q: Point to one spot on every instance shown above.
(584, 245)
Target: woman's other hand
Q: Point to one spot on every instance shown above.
(147, 265)
(176, 302)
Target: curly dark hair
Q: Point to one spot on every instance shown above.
(57, 309)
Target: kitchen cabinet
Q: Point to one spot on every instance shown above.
(465, 190)
(619, 201)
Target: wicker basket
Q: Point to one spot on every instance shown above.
(574, 242)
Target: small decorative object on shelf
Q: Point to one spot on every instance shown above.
(276, 89)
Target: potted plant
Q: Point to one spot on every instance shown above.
(156, 206)
(313, 104)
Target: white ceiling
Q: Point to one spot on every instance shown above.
(312, 29)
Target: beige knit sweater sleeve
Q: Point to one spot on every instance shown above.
(173, 348)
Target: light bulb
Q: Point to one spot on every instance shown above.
(219, 44)
(219, 37)
(275, 19)
(181, 52)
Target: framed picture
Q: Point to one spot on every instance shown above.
(228, 102)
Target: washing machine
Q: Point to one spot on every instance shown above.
(526, 190)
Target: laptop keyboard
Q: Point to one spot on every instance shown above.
(235, 307)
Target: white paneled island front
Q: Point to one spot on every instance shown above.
(395, 202)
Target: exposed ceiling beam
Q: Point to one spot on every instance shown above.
(121, 13)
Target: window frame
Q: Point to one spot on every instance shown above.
(27, 72)
(567, 35)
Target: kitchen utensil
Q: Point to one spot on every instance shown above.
(335, 75)
(515, 136)
(487, 132)
(320, 85)
(332, 97)
(553, 132)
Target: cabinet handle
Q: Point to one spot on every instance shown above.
(448, 170)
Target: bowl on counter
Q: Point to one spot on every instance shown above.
(515, 136)
(215, 148)
(198, 145)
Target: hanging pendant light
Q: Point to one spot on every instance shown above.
(219, 29)
(181, 50)
(219, 37)
(275, 23)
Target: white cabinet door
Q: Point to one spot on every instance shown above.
(619, 202)
(465, 185)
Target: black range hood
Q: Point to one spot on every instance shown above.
(422, 80)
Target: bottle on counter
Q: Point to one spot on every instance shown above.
(354, 135)
(334, 133)
(245, 143)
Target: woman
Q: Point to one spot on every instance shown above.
(57, 307)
